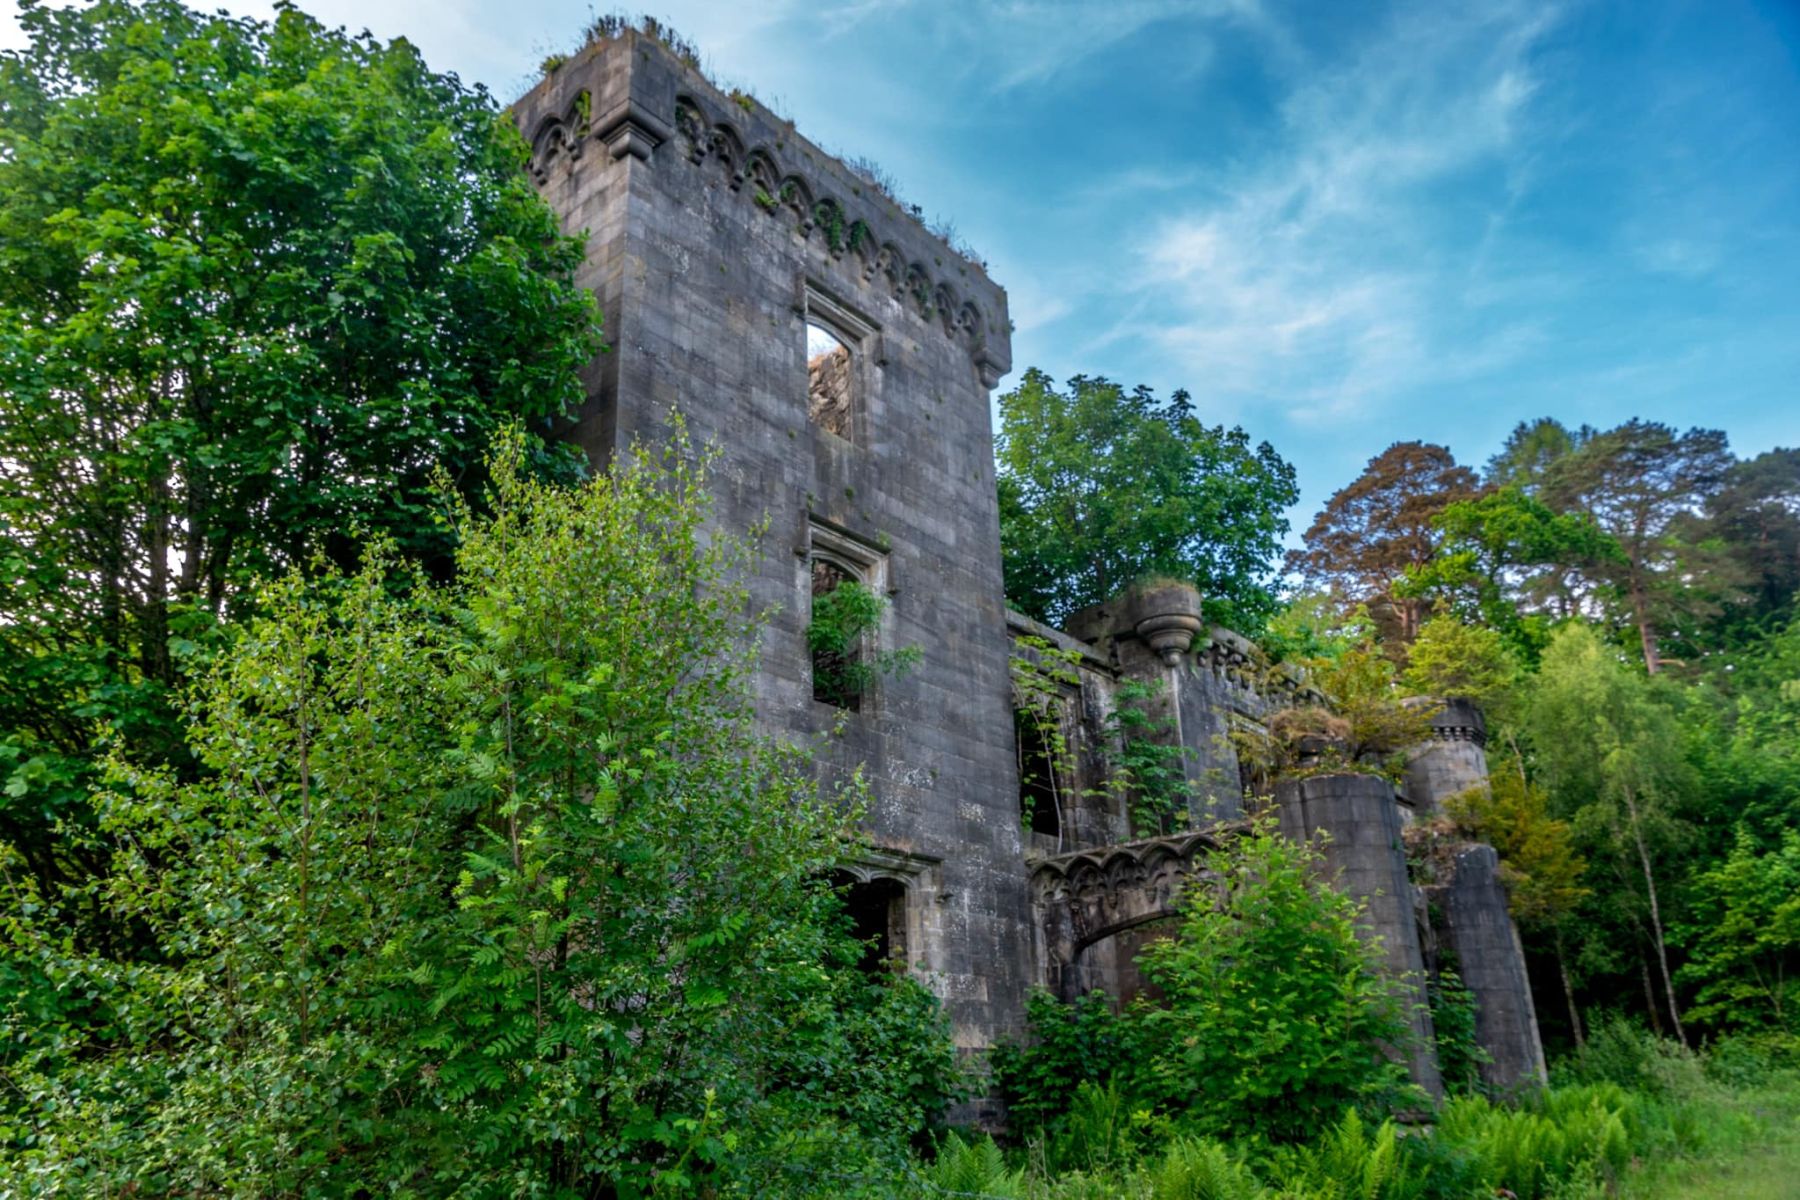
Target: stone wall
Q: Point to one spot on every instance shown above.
(1474, 926)
(715, 235)
(1453, 761)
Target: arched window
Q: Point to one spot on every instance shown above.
(835, 637)
(830, 381)
(1039, 802)
(877, 911)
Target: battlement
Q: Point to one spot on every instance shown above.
(629, 97)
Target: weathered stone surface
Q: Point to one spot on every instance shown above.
(1094, 909)
(716, 236)
(1365, 857)
(1478, 929)
(1454, 760)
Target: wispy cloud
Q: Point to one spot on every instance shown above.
(1316, 274)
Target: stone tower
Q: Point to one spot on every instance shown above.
(840, 357)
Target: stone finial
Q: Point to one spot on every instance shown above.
(1166, 615)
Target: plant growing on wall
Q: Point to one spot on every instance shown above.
(837, 636)
(1149, 766)
(1040, 669)
(1459, 1052)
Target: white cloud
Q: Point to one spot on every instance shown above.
(1316, 274)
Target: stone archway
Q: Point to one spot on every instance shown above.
(1095, 908)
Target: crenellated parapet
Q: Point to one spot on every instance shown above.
(1459, 720)
(1452, 760)
(810, 207)
(663, 105)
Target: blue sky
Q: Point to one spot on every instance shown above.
(1337, 224)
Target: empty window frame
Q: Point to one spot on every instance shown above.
(877, 912)
(839, 344)
(840, 668)
(830, 382)
(1040, 786)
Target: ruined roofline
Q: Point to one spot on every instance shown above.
(640, 101)
(1020, 625)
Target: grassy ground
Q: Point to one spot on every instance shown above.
(1764, 1167)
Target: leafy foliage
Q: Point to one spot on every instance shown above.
(1379, 725)
(1082, 1041)
(1149, 765)
(258, 283)
(1605, 745)
(1100, 487)
(1538, 858)
(1274, 1017)
(1744, 938)
(1459, 1054)
(1451, 659)
(1039, 670)
(843, 665)
(1383, 524)
(1635, 482)
(491, 881)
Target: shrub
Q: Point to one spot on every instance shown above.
(1068, 1044)
(1275, 1018)
(1628, 1055)
(495, 880)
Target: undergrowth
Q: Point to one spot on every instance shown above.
(1625, 1115)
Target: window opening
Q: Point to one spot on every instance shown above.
(877, 912)
(838, 670)
(829, 381)
(1039, 803)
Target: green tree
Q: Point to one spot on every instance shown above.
(1100, 487)
(1450, 658)
(1744, 940)
(1510, 561)
(1636, 482)
(258, 281)
(1531, 449)
(1371, 533)
(490, 881)
(1610, 754)
(1756, 516)
(1274, 1017)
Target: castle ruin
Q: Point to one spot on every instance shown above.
(842, 357)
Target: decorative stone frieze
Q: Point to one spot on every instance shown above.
(759, 176)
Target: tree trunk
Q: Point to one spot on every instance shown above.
(1656, 926)
(1640, 612)
(1650, 1005)
(1568, 987)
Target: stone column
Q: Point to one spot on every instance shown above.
(1366, 860)
(1479, 930)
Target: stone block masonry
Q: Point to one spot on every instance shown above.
(1364, 855)
(839, 359)
(716, 236)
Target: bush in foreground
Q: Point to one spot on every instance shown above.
(488, 889)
